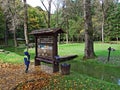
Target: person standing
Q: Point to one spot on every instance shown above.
(26, 60)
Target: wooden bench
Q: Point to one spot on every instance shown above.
(59, 59)
(55, 62)
(49, 61)
(66, 58)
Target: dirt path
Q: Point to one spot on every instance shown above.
(11, 75)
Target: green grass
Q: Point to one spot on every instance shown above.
(14, 55)
(76, 81)
(93, 74)
(10, 57)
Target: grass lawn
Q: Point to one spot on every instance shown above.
(94, 74)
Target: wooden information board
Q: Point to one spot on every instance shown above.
(45, 46)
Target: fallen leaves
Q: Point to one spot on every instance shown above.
(13, 76)
(33, 84)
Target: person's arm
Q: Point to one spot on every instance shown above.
(28, 57)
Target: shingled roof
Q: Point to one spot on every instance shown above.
(47, 31)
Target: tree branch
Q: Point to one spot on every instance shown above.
(44, 5)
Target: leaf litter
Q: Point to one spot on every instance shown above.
(13, 77)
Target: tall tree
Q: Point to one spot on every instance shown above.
(11, 13)
(48, 19)
(113, 23)
(72, 14)
(2, 25)
(57, 7)
(2, 22)
(14, 20)
(65, 17)
(89, 46)
(104, 6)
(25, 24)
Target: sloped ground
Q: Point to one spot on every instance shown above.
(12, 76)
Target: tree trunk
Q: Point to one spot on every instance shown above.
(14, 29)
(103, 31)
(117, 39)
(25, 24)
(89, 47)
(67, 38)
(49, 10)
(67, 30)
(48, 19)
(103, 21)
(14, 33)
(6, 32)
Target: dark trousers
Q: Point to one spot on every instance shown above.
(27, 67)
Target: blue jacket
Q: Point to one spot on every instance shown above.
(26, 58)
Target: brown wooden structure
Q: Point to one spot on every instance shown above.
(46, 48)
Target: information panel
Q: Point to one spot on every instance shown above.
(45, 46)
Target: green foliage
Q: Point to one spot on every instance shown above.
(35, 18)
(76, 30)
(35, 21)
(113, 22)
(70, 19)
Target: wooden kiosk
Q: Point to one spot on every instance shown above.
(46, 49)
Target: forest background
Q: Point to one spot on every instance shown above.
(69, 15)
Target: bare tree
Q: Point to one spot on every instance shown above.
(25, 24)
(57, 6)
(48, 12)
(89, 47)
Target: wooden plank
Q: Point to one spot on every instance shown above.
(61, 59)
(66, 58)
(45, 60)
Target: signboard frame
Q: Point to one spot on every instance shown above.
(46, 48)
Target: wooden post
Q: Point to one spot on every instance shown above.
(37, 62)
(109, 50)
(55, 67)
